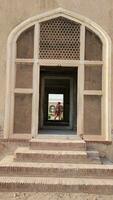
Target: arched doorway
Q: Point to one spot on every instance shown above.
(58, 39)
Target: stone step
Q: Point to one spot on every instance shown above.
(93, 153)
(10, 168)
(58, 144)
(45, 184)
(26, 154)
(93, 157)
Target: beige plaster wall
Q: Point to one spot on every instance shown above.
(13, 12)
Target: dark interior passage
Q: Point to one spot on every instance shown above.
(58, 98)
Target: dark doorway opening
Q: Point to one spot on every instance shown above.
(58, 98)
(57, 102)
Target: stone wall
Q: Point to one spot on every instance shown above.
(105, 149)
(14, 12)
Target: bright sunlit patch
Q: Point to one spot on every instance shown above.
(55, 106)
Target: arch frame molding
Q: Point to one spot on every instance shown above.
(106, 76)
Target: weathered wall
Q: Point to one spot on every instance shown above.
(14, 12)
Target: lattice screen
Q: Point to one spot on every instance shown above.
(60, 39)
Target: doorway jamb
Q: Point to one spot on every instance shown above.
(36, 81)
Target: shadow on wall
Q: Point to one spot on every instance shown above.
(105, 150)
(1, 132)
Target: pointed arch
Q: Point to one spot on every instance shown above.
(106, 62)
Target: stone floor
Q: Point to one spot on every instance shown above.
(53, 196)
(57, 134)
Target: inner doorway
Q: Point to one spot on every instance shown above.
(58, 98)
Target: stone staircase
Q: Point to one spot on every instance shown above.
(55, 165)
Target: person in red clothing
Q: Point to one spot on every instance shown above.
(58, 111)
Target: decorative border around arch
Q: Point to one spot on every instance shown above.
(106, 129)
